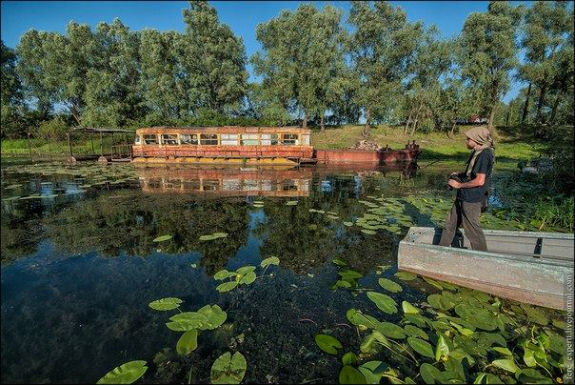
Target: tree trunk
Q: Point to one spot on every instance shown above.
(490, 125)
(526, 104)
(321, 125)
(508, 116)
(304, 123)
(407, 122)
(367, 117)
(542, 93)
(415, 120)
(555, 106)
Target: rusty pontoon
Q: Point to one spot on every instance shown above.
(532, 267)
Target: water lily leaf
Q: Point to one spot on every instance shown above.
(227, 286)
(368, 232)
(348, 224)
(532, 376)
(557, 343)
(442, 348)
(350, 375)
(506, 364)
(349, 358)
(248, 278)
(125, 374)
(529, 358)
(389, 285)
(327, 343)
(409, 308)
(270, 261)
(357, 318)
(187, 343)
(391, 330)
(383, 302)
(535, 314)
(291, 203)
(223, 274)
(503, 351)
(245, 269)
(165, 304)
(420, 346)
(228, 369)
(339, 262)
(414, 331)
(349, 274)
(162, 238)
(215, 316)
(371, 342)
(430, 374)
(405, 276)
(433, 283)
(373, 371)
(220, 235)
(184, 322)
(478, 317)
(418, 320)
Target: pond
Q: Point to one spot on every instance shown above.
(86, 249)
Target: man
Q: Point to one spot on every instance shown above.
(472, 190)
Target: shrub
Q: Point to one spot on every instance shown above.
(54, 129)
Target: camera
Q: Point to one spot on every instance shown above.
(456, 178)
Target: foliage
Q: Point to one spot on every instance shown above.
(54, 129)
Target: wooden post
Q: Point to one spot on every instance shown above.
(101, 144)
(92, 144)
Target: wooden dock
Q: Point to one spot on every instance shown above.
(531, 267)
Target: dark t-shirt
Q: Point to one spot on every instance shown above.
(483, 165)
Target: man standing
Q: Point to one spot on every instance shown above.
(471, 190)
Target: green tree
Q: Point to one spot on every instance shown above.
(11, 95)
(302, 57)
(112, 93)
(488, 53)
(214, 60)
(548, 53)
(381, 46)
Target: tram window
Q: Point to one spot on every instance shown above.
(229, 139)
(289, 139)
(138, 140)
(211, 184)
(150, 139)
(269, 139)
(209, 139)
(189, 139)
(249, 139)
(170, 139)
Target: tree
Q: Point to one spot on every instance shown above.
(11, 95)
(112, 93)
(548, 53)
(488, 53)
(214, 60)
(380, 47)
(302, 57)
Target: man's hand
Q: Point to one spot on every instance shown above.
(453, 183)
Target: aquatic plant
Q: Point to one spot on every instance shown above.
(125, 374)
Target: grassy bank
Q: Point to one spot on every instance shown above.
(510, 148)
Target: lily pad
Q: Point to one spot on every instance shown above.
(125, 374)
(227, 286)
(270, 261)
(409, 308)
(383, 302)
(405, 276)
(350, 375)
(389, 285)
(291, 203)
(188, 342)
(391, 330)
(420, 346)
(228, 369)
(327, 343)
(162, 238)
(165, 304)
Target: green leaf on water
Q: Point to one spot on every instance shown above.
(291, 203)
(405, 276)
(430, 374)
(339, 262)
(350, 375)
(270, 261)
(420, 346)
(215, 316)
(245, 270)
(223, 274)
(187, 343)
(226, 286)
(165, 304)
(250, 277)
(442, 348)
(414, 331)
(391, 330)
(125, 374)
(228, 369)
(532, 376)
(162, 238)
(506, 364)
(383, 302)
(409, 308)
(349, 358)
(327, 343)
(368, 232)
(389, 285)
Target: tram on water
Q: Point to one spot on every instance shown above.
(267, 145)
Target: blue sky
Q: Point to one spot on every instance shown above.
(241, 16)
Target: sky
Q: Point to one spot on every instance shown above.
(242, 17)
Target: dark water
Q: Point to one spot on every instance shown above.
(79, 266)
